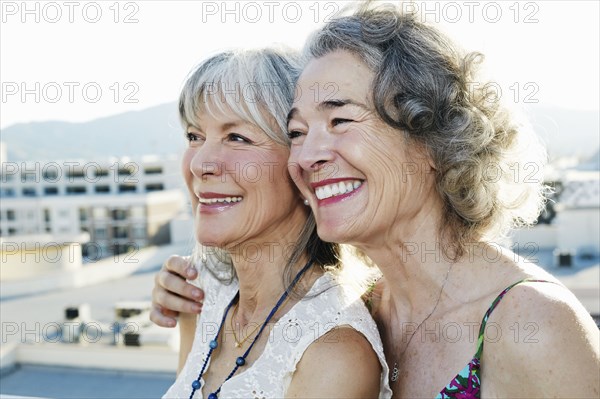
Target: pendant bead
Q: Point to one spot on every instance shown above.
(213, 396)
(196, 384)
(213, 344)
(240, 361)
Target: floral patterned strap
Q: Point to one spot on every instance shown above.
(467, 383)
(493, 306)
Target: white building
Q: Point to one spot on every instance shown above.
(121, 203)
(576, 227)
(578, 213)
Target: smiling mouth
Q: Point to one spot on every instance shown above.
(221, 200)
(337, 188)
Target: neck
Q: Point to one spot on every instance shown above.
(411, 260)
(260, 274)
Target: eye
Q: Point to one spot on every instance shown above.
(238, 138)
(294, 134)
(339, 121)
(192, 137)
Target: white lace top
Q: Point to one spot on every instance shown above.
(309, 319)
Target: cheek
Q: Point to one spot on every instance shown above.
(295, 172)
(186, 162)
(186, 172)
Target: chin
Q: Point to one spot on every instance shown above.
(332, 233)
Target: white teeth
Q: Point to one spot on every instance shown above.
(332, 190)
(320, 193)
(227, 200)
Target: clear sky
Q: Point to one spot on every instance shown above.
(80, 60)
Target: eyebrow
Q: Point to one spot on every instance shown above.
(225, 126)
(328, 105)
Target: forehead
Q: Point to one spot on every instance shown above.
(337, 75)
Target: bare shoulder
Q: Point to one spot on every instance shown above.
(341, 364)
(547, 340)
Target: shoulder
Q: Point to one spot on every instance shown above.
(341, 364)
(548, 340)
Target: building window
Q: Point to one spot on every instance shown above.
(51, 190)
(119, 232)
(12, 231)
(7, 192)
(83, 215)
(102, 189)
(50, 174)
(75, 173)
(10, 214)
(99, 233)
(76, 190)
(29, 192)
(119, 214)
(46, 215)
(126, 171)
(154, 187)
(101, 172)
(127, 188)
(153, 170)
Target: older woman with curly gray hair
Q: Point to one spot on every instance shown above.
(434, 160)
(399, 156)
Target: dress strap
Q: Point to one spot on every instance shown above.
(493, 306)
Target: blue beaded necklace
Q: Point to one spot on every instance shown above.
(241, 361)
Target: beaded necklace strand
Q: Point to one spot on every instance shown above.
(241, 361)
(240, 343)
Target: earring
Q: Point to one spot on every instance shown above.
(306, 202)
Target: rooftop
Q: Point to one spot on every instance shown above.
(41, 368)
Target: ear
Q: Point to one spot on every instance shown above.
(420, 152)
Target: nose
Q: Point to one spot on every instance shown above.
(316, 150)
(207, 160)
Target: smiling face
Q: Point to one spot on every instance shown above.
(360, 176)
(238, 183)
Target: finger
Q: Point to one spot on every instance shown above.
(178, 286)
(167, 300)
(169, 313)
(160, 319)
(181, 266)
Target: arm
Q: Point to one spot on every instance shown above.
(172, 294)
(553, 351)
(342, 364)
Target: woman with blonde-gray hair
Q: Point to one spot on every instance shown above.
(278, 320)
(404, 158)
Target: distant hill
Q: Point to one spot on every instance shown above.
(566, 132)
(154, 130)
(157, 131)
